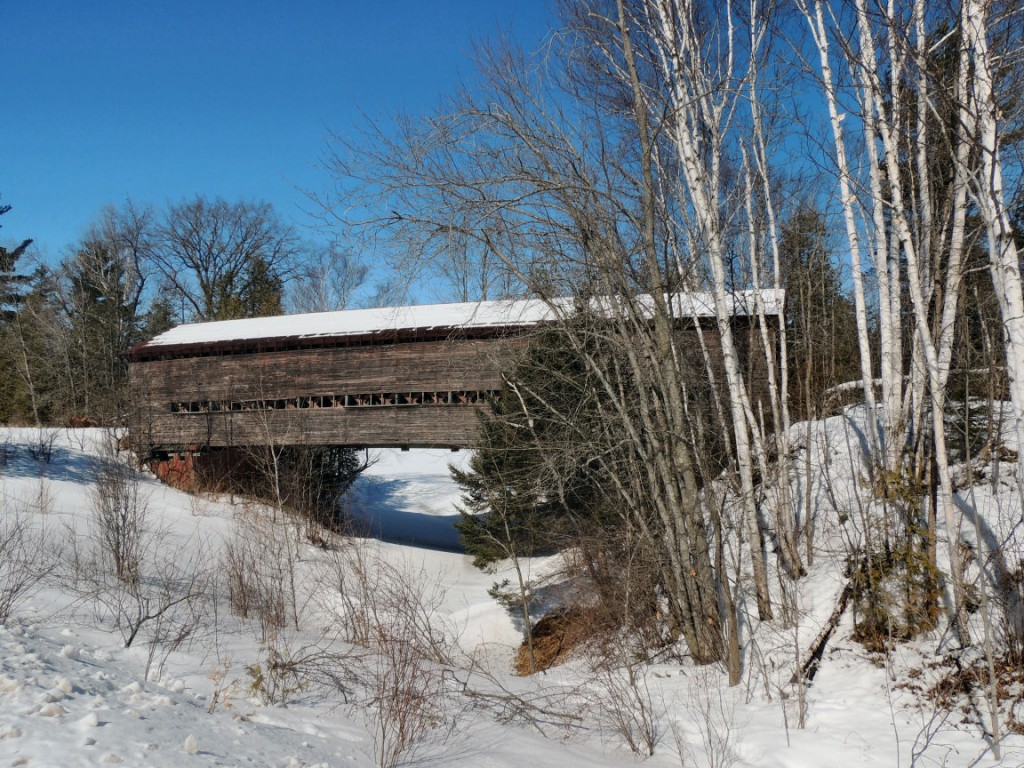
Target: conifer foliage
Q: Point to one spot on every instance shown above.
(534, 475)
(11, 283)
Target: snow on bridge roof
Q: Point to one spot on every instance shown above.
(432, 317)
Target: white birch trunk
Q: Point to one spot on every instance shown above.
(693, 99)
(816, 20)
(778, 390)
(878, 120)
(1003, 258)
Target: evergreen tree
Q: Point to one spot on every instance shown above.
(535, 480)
(101, 295)
(316, 477)
(160, 316)
(258, 291)
(11, 283)
(552, 471)
(14, 405)
(32, 359)
(819, 314)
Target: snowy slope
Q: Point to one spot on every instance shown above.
(72, 695)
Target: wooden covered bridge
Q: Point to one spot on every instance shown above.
(395, 377)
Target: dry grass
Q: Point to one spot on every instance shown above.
(555, 638)
(950, 684)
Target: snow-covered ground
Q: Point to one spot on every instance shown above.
(71, 694)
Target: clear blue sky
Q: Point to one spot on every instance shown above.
(159, 101)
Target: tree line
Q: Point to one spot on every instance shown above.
(136, 272)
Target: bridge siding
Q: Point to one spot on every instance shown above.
(443, 365)
(404, 366)
(424, 427)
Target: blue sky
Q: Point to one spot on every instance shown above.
(159, 101)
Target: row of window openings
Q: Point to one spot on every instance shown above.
(376, 399)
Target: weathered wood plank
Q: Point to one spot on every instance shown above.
(457, 364)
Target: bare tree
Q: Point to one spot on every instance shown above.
(711, 716)
(919, 82)
(137, 576)
(390, 610)
(218, 260)
(977, 20)
(636, 163)
(25, 555)
(579, 185)
(327, 280)
(120, 507)
(260, 562)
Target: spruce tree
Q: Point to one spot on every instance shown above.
(535, 476)
(101, 296)
(12, 284)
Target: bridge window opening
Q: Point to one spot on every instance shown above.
(362, 400)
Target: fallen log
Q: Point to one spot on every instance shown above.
(809, 666)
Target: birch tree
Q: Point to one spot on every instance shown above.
(709, 61)
(916, 80)
(988, 191)
(562, 193)
(638, 166)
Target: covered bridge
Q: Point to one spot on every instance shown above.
(394, 377)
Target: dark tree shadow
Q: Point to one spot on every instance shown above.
(64, 465)
(377, 507)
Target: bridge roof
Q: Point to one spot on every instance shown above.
(427, 320)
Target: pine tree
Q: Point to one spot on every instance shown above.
(818, 312)
(101, 296)
(31, 350)
(535, 478)
(13, 286)
(11, 283)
